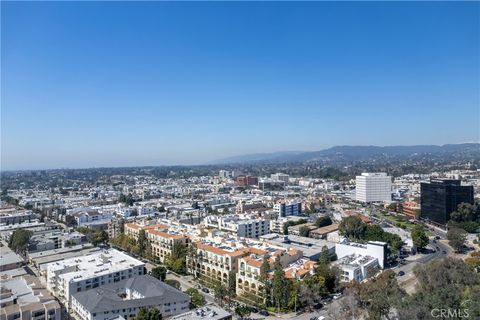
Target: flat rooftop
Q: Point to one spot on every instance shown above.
(210, 312)
(97, 264)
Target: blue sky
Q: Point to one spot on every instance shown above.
(124, 84)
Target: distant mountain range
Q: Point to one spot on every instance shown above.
(355, 153)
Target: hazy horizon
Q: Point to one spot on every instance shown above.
(208, 162)
(124, 84)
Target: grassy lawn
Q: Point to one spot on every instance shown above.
(396, 220)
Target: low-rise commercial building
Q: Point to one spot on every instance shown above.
(356, 267)
(208, 312)
(9, 260)
(375, 249)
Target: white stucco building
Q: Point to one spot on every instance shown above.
(373, 187)
(78, 274)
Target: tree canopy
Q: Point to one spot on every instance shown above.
(148, 314)
(160, 273)
(19, 240)
(419, 237)
(197, 300)
(456, 238)
(323, 221)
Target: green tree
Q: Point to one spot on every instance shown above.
(142, 242)
(419, 237)
(197, 299)
(100, 237)
(232, 284)
(323, 221)
(176, 261)
(70, 221)
(352, 227)
(148, 314)
(264, 278)
(456, 238)
(466, 212)
(443, 284)
(160, 273)
(380, 294)
(292, 223)
(304, 231)
(280, 286)
(330, 274)
(220, 291)
(173, 283)
(242, 311)
(19, 241)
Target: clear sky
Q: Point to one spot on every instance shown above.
(124, 84)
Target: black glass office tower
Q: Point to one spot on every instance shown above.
(440, 198)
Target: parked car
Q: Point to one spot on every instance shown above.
(437, 237)
(401, 273)
(264, 313)
(253, 309)
(444, 252)
(317, 306)
(205, 290)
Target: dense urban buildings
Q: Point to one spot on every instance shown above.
(217, 237)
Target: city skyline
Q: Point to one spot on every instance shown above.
(188, 83)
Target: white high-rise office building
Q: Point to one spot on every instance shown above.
(373, 187)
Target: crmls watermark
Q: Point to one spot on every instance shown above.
(450, 313)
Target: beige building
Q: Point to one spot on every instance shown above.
(27, 298)
(248, 277)
(160, 238)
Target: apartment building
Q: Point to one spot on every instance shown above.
(78, 274)
(88, 216)
(162, 240)
(126, 297)
(288, 209)
(244, 206)
(215, 261)
(248, 276)
(241, 225)
(26, 298)
(10, 216)
(133, 229)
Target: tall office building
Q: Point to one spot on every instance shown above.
(441, 197)
(373, 187)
